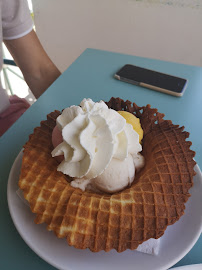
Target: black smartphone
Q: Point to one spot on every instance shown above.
(152, 79)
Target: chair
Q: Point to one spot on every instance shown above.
(9, 63)
(6, 69)
(13, 80)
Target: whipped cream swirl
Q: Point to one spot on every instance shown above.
(93, 135)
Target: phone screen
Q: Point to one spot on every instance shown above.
(150, 77)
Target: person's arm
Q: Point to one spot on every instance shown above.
(38, 69)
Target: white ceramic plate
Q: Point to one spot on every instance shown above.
(175, 243)
(189, 267)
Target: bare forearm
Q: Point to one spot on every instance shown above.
(40, 82)
(38, 69)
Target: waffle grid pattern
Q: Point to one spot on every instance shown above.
(123, 220)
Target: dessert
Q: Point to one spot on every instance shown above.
(123, 220)
(100, 149)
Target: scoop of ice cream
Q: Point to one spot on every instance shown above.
(95, 139)
(56, 136)
(134, 121)
(56, 140)
(118, 175)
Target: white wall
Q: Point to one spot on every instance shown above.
(67, 27)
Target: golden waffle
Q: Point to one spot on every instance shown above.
(123, 220)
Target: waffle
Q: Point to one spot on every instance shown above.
(123, 220)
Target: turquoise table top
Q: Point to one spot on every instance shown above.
(91, 76)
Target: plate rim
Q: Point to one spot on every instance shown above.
(188, 267)
(48, 260)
